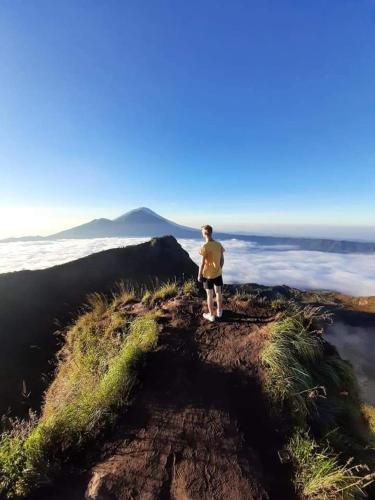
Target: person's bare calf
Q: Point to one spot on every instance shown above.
(210, 305)
(219, 301)
(210, 301)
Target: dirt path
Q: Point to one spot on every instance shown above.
(199, 428)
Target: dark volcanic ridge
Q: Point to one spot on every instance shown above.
(34, 304)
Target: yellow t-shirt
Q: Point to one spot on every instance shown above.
(212, 251)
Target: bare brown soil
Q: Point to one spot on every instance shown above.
(198, 427)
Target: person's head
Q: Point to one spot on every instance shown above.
(207, 231)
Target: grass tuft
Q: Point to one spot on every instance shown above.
(279, 304)
(319, 473)
(96, 374)
(306, 380)
(369, 414)
(123, 295)
(299, 372)
(147, 297)
(189, 287)
(287, 355)
(166, 291)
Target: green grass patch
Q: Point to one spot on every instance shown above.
(369, 414)
(308, 383)
(301, 373)
(279, 304)
(189, 287)
(96, 375)
(164, 291)
(286, 357)
(147, 297)
(320, 475)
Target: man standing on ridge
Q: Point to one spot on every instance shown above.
(210, 272)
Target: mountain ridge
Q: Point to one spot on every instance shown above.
(144, 222)
(47, 299)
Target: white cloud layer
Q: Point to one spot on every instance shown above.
(244, 262)
(357, 344)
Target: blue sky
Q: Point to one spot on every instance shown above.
(241, 113)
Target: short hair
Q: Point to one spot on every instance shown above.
(207, 229)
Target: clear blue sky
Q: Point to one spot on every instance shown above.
(234, 111)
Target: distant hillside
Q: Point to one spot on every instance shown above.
(34, 303)
(143, 222)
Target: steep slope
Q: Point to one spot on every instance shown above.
(353, 333)
(35, 303)
(203, 421)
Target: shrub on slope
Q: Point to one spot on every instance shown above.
(319, 473)
(96, 374)
(307, 382)
(305, 374)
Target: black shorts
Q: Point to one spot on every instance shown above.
(208, 283)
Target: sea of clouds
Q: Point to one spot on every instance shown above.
(244, 262)
(358, 345)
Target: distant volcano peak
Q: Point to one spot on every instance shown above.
(140, 222)
(144, 222)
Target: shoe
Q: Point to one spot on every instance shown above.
(209, 316)
(220, 314)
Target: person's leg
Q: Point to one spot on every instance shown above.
(210, 301)
(208, 286)
(219, 300)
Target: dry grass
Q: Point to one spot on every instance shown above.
(123, 295)
(165, 291)
(189, 287)
(369, 414)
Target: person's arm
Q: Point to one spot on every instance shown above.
(222, 257)
(201, 266)
(202, 252)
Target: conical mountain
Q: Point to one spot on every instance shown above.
(139, 222)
